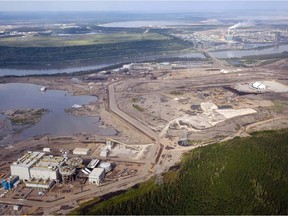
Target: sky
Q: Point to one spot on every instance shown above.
(140, 5)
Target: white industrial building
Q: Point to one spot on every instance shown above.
(37, 170)
(47, 168)
(96, 176)
(22, 166)
(40, 183)
(258, 85)
(81, 151)
(46, 150)
(93, 163)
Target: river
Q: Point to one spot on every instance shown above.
(254, 52)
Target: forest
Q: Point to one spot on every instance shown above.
(241, 176)
(106, 52)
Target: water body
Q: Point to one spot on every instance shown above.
(140, 24)
(23, 72)
(56, 121)
(242, 53)
(256, 45)
(192, 55)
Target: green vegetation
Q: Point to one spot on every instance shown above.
(78, 40)
(139, 108)
(135, 100)
(100, 49)
(28, 117)
(240, 176)
(254, 58)
(132, 193)
(176, 93)
(194, 142)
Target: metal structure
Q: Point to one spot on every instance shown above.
(159, 176)
(67, 172)
(93, 163)
(184, 141)
(75, 162)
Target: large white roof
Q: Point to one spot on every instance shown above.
(97, 172)
(81, 150)
(258, 85)
(29, 159)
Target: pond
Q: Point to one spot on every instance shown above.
(56, 121)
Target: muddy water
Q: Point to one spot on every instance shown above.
(56, 121)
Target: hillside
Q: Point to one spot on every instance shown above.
(241, 176)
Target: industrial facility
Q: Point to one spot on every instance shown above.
(37, 169)
(96, 176)
(22, 166)
(40, 171)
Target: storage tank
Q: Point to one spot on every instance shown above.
(67, 173)
(106, 166)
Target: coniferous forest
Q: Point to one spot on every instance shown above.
(240, 176)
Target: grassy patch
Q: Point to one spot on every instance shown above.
(194, 142)
(78, 40)
(27, 117)
(135, 100)
(139, 108)
(177, 93)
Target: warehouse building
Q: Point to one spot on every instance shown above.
(22, 166)
(37, 169)
(96, 176)
(81, 151)
(47, 168)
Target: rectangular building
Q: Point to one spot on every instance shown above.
(96, 176)
(47, 168)
(22, 166)
(81, 151)
(40, 183)
(9, 183)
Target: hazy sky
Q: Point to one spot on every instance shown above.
(139, 5)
